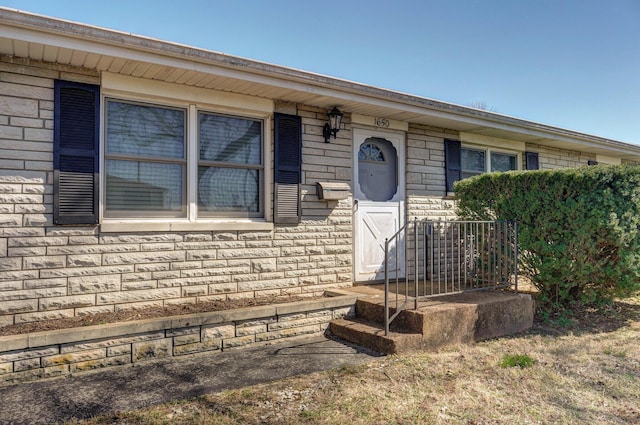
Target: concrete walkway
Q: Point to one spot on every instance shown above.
(128, 388)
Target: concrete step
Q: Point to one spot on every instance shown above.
(370, 309)
(451, 319)
(371, 335)
(468, 317)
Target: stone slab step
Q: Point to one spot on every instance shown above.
(453, 319)
(371, 335)
(468, 317)
(370, 309)
(482, 315)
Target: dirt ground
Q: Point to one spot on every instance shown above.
(138, 314)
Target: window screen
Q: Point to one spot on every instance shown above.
(473, 162)
(503, 162)
(145, 160)
(230, 166)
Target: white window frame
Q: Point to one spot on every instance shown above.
(193, 100)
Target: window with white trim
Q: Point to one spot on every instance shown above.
(475, 161)
(229, 166)
(148, 166)
(145, 160)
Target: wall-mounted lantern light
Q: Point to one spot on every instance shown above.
(333, 126)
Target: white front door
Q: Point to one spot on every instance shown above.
(378, 191)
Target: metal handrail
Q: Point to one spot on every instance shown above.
(387, 317)
(456, 256)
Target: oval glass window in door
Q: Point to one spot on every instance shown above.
(378, 169)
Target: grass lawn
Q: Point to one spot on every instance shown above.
(581, 372)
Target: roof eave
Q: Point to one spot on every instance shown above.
(110, 42)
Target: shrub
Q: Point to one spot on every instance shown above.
(579, 236)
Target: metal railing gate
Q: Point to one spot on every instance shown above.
(445, 257)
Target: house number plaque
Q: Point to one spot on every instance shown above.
(382, 122)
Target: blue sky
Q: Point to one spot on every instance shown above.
(569, 63)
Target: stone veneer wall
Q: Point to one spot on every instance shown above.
(550, 158)
(49, 271)
(426, 186)
(70, 351)
(322, 242)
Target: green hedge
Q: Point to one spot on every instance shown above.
(579, 236)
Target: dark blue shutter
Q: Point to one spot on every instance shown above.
(288, 168)
(75, 153)
(532, 160)
(453, 162)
